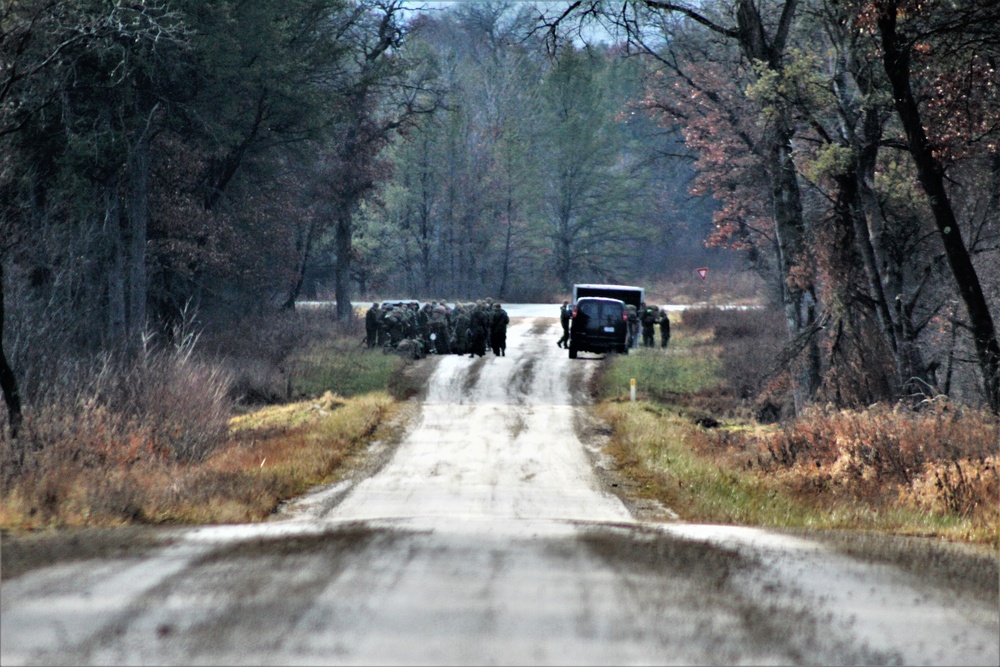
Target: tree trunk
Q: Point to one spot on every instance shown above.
(930, 173)
(8, 381)
(138, 226)
(507, 243)
(342, 269)
(424, 242)
(864, 218)
(304, 249)
(798, 295)
(884, 284)
(798, 298)
(115, 269)
(563, 268)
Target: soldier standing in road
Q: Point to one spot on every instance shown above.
(460, 344)
(488, 310)
(438, 327)
(479, 329)
(371, 326)
(382, 332)
(498, 330)
(664, 328)
(565, 313)
(633, 325)
(649, 317)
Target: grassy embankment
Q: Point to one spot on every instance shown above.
(88, 465)
(691, 446)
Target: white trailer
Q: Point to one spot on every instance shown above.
(630, 294)
(627, 293)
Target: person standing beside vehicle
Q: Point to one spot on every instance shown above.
(498, 330)
(664, 327)
(650, 314)
(565, 313)
(633, 325)
(371, 326)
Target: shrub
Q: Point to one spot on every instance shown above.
(185, 405)
(749, 343)
(154, 439)
(113, 413)
(941, 458)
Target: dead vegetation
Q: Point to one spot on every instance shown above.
(268, 457)
(725, 448)
(941, 458)
(184, 434)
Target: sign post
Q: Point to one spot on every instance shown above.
(632, 390)
(703, 274)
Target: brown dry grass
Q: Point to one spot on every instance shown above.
(154, 440)
(697, 447)
(271, 456)
(941, 460)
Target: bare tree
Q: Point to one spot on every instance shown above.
(381, 96)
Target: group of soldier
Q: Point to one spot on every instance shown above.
(643, 319)
(437, 328)
(472, 328)
(646, 319)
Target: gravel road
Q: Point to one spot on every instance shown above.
(489, 535)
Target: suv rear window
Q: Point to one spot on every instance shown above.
(598, 313)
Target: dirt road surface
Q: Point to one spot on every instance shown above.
(489, 535)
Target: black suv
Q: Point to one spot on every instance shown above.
(598, 325)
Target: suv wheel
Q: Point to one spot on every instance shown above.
(572, 351)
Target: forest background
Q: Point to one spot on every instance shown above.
(177, 171)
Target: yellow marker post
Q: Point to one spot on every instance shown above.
(632, 390)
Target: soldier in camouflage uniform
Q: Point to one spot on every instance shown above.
(664, 327)
(633, 325)
(460, 333)
(382, 331)
(371, 326)
(424, 319)
(412, 320)
(650, 315)
(479, 321)
(498, 330)
(438, 327)
(395, 324)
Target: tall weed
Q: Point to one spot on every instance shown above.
(941, 458)
(155, 439)
(749, 344)
(933, 469)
